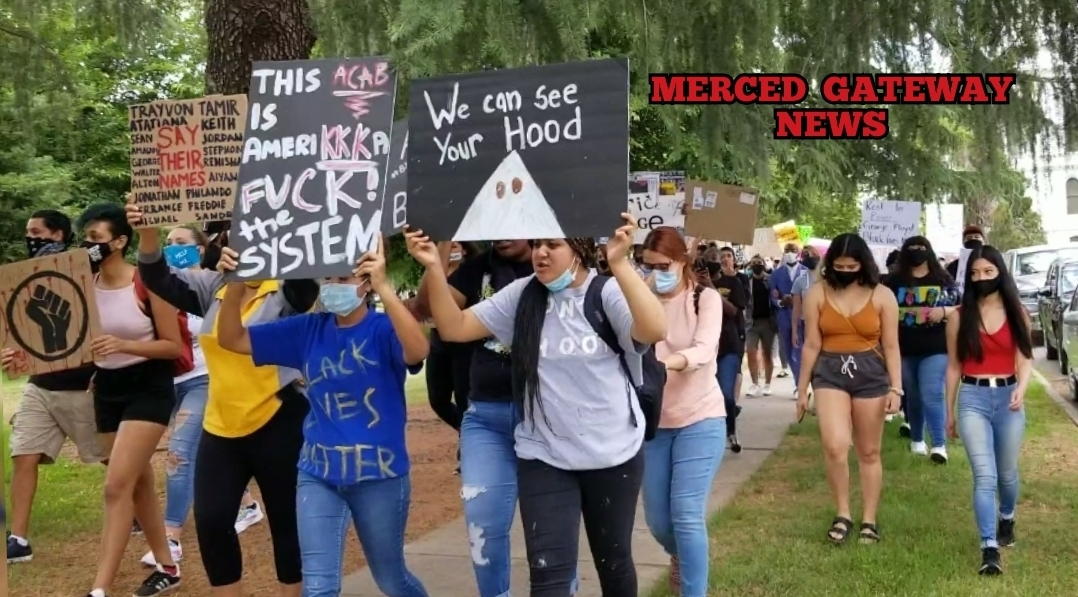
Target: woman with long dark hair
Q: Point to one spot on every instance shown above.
(926, 297)
(852, 360)
(990, 362)
(578, 443)
(683, 458)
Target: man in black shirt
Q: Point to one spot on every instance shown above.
(733, 286)
(488, 462)
(54, 406)
(761, 327)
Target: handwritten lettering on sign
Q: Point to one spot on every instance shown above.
(185, 155)
(313, 172)
(890, 222)
(395, 212)
(533, 152)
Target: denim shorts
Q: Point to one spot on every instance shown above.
(859, 374)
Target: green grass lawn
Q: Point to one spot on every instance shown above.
(771, 540)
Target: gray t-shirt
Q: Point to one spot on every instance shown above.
(585, 395)
(801, 288)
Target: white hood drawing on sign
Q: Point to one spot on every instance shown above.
(510, 206)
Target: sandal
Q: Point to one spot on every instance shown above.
(869, 535)
(840, 530)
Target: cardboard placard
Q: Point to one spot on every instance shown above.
(49, 312)
(523, 153)
(312, 179)
(721, 211)
(185, 157)
(395, 206)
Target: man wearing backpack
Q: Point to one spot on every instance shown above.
(54, 407)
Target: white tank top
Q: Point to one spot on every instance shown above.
(194, 325)
(122, 317)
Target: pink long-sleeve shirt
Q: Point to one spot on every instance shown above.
(692, 395)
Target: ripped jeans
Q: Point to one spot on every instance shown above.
(488, 474)
(191, 398)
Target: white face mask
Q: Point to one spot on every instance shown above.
(791, 258)
(455, 257)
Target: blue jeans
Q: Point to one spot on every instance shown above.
(679, 467)
(923, 380)
(379, 511)
(191, 397)
(488, 474)
(992, 435)
(728, 370)
(787, 347)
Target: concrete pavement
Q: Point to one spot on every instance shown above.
(441, 558)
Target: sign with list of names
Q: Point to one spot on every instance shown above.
(312, 177)
(49, 313)
(395, 210)
(534, 152)
(185, 155)
(890, 223)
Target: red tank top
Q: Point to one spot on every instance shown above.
(998, 351)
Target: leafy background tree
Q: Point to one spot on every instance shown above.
(75, 65)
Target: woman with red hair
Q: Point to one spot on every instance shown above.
(682, 459)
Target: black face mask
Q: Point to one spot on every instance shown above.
(810, 262)
(973, 243)
(713, 267)
(844, 279)
(917, 257)
(758, 268)
(985, 287)
(99, 252)
(39, 247)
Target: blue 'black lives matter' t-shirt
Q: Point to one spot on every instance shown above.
(355, 383)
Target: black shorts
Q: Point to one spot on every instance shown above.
(140, 392)
(859, 374)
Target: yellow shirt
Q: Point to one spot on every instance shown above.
(242, 397)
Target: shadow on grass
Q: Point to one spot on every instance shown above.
(771, 540)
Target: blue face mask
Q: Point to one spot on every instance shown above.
(182, 256)
(339, 299)
(563, 281)
(665, 282)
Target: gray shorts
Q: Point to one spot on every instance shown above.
(761, 331)
(859, 374)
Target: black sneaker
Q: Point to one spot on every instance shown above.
(904, 429)
(17, 552)
(1004, 531)
(735, 443)
(158, 583)
(991, 564)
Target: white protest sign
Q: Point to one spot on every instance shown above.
(944, 223)
(963, 264)
(889, 223)
(651, 208)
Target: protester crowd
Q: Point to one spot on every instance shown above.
(578, 375)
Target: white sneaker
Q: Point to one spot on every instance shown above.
(248, 516)
(767, 389)
(889, 418)
(173, 545)
(754, 390)
(939, 455)
(919, 448)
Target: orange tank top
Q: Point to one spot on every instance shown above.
(856, 333)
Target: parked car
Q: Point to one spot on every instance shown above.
(1061, 281)
(1068, 356)
(1029, 266)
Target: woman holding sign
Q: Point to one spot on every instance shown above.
(579, 442)
(354, 462)
(253, 424)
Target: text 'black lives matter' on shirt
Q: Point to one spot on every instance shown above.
(917, 297)
(734, 289)
(478, 279)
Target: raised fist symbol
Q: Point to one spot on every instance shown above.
(52, 313)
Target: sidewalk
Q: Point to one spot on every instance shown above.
(441, 558)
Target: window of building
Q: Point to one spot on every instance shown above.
(1072, 196)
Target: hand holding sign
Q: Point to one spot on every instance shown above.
(422, 249)
(372, 267)
(52, 313)
(621, 242)
(228, 261)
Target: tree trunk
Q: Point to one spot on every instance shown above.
(241, 32)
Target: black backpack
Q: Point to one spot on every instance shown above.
(650, 392)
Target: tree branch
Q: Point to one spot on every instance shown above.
(19, 32)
